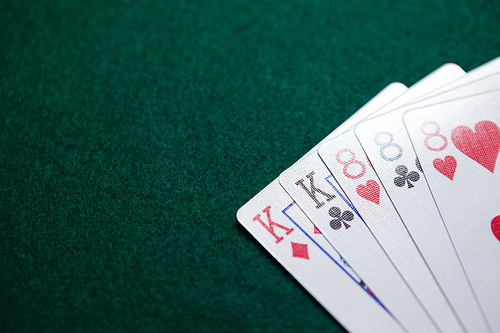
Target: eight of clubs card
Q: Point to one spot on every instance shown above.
(386, 143)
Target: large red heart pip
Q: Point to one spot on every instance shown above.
(482, 146)
(370, 191)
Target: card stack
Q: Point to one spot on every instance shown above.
(392, 222)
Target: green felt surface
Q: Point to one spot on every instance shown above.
(132, 131)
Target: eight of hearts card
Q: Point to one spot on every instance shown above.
(458, 143)
(386, 143)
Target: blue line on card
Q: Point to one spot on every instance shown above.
(328, 254)
(343, 198)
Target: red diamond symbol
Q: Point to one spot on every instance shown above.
(300, 250)
(316, 230)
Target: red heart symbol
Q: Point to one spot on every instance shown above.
(446, 167)
(495, 226)
(370, 191)
(482, 146)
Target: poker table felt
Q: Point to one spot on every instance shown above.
(132, 131)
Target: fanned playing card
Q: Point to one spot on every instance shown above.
(348, 164)
(457, 144)
(347, 293)
(386, 143)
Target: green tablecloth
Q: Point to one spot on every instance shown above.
(132, 131)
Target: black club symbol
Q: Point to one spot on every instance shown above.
(339, 218)
(405, 176)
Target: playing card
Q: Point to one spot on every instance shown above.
(457, 143)
(386, 143)
(281, 227)
(352, 317)
(320, 197)
(347, 162)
